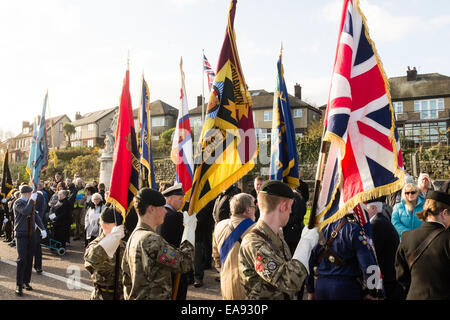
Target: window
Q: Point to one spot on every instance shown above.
(159, 122)
(90, 143)
(60, 127)
(314, 116)
(267, 115)
(91, 126)
(428, 109)
(26, 130)
(77, 134)
(299, 135)
(398, 107)
(77, 144)
(429, 132)
(196, 121)
(298, 113)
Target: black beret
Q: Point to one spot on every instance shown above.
(151, 197)
(25, 189)
(108, 214)
(277, 188)
(176, 190)
(439, 196)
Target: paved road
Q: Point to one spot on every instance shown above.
(56, 282)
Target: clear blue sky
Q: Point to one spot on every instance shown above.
(77, 49)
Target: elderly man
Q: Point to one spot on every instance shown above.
(149, 260)
(423, 256)
(24, 217)
(228, 235)
(385, 240)
(266, 268)
(257, 187)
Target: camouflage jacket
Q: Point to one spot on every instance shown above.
(102, 269)
(266, 270)
(148, 262)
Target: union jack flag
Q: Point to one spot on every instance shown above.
(209, 72)
(364, 161)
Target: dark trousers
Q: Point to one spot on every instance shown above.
(199, 260)
(182, 286)
(37, 250)
(25, 250)
(60, 234)
(330, 288)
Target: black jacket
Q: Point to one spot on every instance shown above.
(221, 210)
(386, 240)
(429, 278)
(172, 228)
(63, 211)
(293, 229)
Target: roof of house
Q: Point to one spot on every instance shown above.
(262, 99)
(158, 108)
(426, 85)
(93, 117)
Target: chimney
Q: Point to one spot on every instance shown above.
(199, 101)
(411, 75)
(77, 116)
(298, 91)
(25, 124)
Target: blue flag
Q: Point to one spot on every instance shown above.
(147, 171)
(38, 158)
(284, 159)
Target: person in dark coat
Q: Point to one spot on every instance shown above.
(293, 229)
(423, 271)
(61, 215)
(386, 240)
(172, 230)
(24, 218)
(221, 210)
(304, 190)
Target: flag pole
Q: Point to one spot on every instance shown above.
(319, 175)
(203, 86)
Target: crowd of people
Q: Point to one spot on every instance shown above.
(257, 242)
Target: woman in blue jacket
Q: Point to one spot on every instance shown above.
(404, 213)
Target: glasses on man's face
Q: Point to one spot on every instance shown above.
(410, 192)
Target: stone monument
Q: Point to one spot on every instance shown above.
(107, 154)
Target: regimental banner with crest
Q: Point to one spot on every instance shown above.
(125, 172)
(284, 159)
(145, 146)
(227, 147)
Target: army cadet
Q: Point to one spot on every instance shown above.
(100, 257)
(423, 256)
(266, 268)
(172, 230)
(149, 260)
(344, 263)
(24, 218)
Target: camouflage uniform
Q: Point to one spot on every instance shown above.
(148, 262)
(266, 271)
(102, 269)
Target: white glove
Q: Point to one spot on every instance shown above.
(5, 220)
(190, 223)
(43, 234)
(111, 241)
(33, 196)
(52, 216)
(4, 200)
(309, 238)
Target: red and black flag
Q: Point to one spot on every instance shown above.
(125, 173)
(227, 147)
(6, 187)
